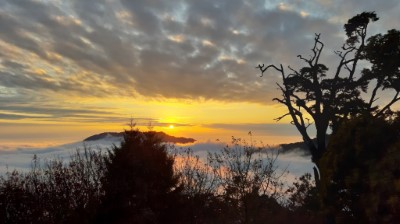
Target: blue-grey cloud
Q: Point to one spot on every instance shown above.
(269, 129)
(21, 158)
(15, 116)
(172, 49)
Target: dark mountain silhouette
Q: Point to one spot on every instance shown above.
(299, 146)
(296, 146)
(103, 135)
(163, 136)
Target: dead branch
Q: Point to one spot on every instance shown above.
(262, 69)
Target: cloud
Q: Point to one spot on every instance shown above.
(52, 110)
(177, 49)
(51, 113)
(269, 129)
(15, 116)
(20, 158)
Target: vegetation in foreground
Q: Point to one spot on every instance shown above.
(140, 182)
(330, 100)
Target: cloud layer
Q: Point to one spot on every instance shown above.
(21, 158)
(170, 49)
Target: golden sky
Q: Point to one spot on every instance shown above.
(70, 69)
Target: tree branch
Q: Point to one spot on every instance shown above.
(262, 69)
(306, 60)
(305, 107)
(372, 99)
(394, 100)
(318, 50)
(357, 55)
(291, 69)
(281, 117)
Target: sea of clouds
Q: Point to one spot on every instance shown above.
(295, 163)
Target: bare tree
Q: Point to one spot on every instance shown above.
(329, 99)
(197, 176)
(247, 176)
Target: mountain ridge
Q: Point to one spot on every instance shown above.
(162, 135)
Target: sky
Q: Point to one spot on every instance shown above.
(73, 68)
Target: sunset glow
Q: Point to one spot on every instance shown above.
(201, 111)
(71, 69)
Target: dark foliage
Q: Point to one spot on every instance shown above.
(304, 196)
(248, 179)
(331, 98)
(240, 184)
(361, 173)
(140, 184)
(54, 192)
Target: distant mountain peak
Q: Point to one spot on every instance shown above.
(299, 146)
(104, 135)
(164, 137)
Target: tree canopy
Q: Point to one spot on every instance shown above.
(329, 98)
(361, 178)
(140, 184)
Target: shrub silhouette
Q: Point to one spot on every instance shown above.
(140, 184)
(240, 184)
(362, 173)
(53, 191)
(303, 199)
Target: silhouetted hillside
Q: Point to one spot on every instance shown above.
(163, 136)
(298, 146)
(104, 136)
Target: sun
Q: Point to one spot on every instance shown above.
(171, 126)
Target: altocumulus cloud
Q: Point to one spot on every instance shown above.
(162, 49)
